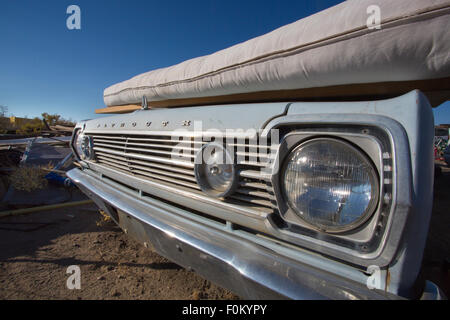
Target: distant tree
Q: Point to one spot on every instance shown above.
(3, 110)
(51, 119)
(56, 119)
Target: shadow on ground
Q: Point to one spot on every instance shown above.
(37, 249)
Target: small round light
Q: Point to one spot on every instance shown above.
(215, 170)
(87, 147)
(330, 184)
(77, 143)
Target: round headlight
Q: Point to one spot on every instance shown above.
(86, 147)
(215, 170)
(330, 184)
(77, 143)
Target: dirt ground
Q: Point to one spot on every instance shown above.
(436, 262)
(37, 249)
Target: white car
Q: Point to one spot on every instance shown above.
(298, 164)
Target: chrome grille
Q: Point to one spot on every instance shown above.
(170, 161)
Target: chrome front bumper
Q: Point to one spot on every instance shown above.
(248, 269)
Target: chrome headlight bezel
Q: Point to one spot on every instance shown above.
(363, 240)
(74, 142)
(362, 157)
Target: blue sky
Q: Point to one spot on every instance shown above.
(44, 67)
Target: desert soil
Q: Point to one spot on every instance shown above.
(37, 249)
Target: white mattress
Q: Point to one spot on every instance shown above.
(332, 47)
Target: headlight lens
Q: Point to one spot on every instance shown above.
(77, 143)
(330, 184)
(215, 171)
(87, 148)
(84, 146)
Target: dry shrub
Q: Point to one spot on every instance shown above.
(33, 126)
(197, 295)
(104, 220)
(29, 178)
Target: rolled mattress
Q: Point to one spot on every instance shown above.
(342, 45)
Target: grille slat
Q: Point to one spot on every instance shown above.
(124, 164)
(110, 156)
(253, 163)
(253, 155)
(168, 179)
(252, 146)
(253, 200)
(254, 174)
(256, 193)
(255, 185)
(164, 140)
(185, 164)
(162, 172)
(149, 145)
(158, 152)
(122, 168)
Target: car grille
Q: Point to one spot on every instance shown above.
(171, 162)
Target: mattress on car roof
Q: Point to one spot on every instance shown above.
(331, 48)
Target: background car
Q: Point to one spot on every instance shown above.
(447, 155)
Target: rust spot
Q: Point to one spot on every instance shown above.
(388, 280)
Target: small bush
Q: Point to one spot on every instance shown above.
(29, 179)
(33, 127)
